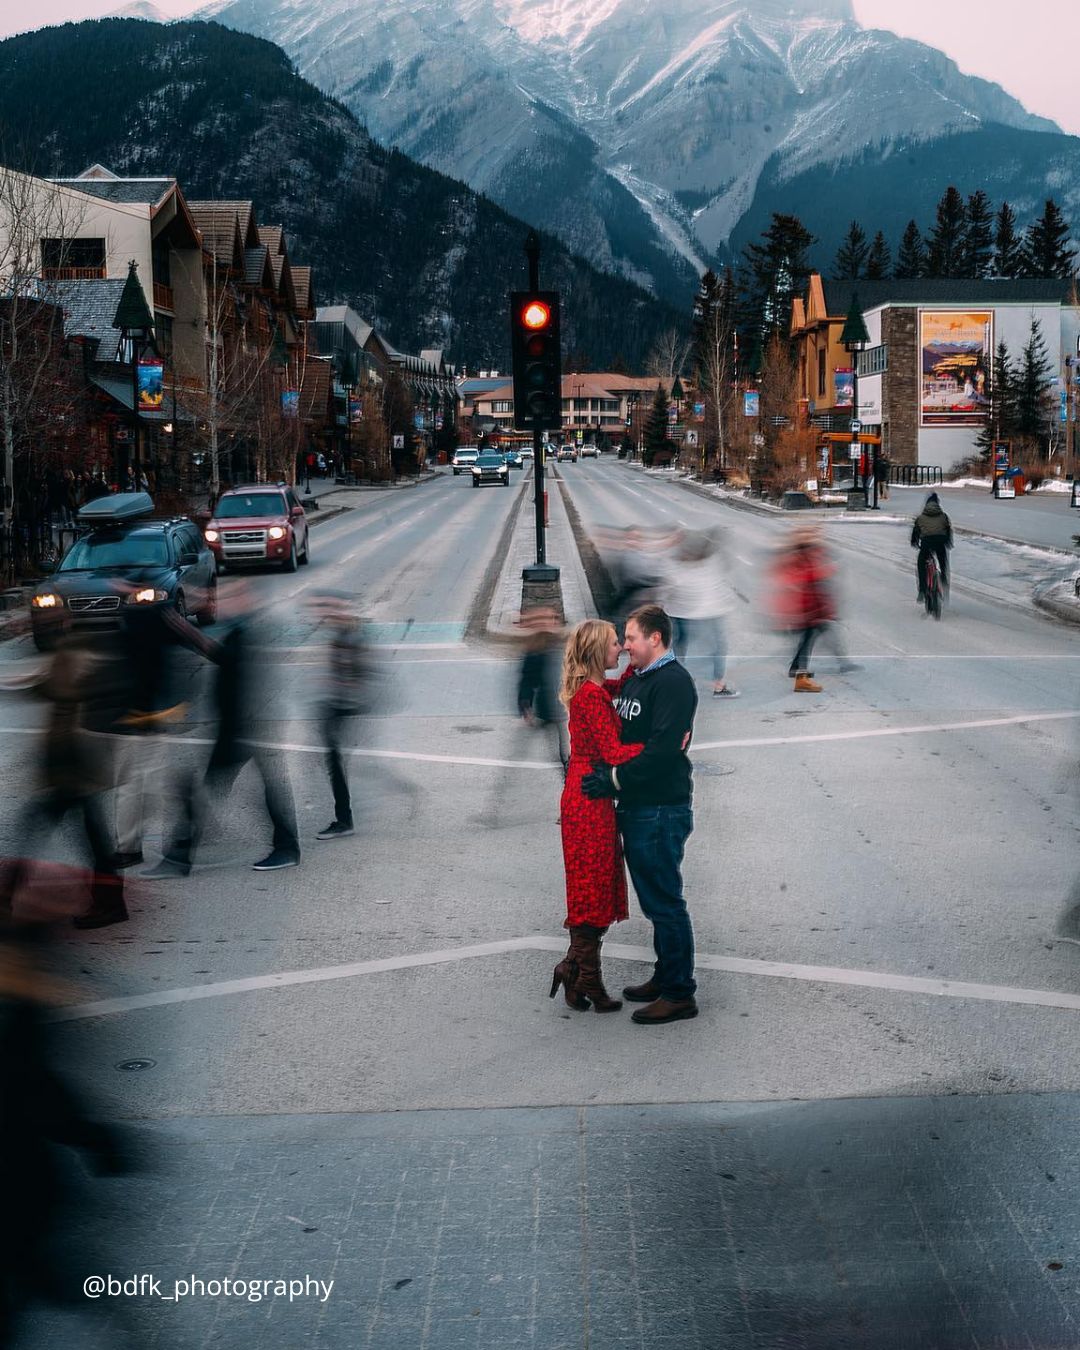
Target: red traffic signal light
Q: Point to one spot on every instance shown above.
(537, 361)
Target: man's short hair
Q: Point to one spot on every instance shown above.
(652, 619)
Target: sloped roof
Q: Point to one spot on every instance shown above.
(257, 270)
(219, 223)
(89, 307)
(130, 191)
(359, 329)
(301, 278)
(316, 387)
(273, 236)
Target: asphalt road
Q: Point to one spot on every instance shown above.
(882, 876)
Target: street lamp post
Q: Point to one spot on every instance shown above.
(854, 339)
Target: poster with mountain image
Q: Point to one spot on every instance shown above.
(956, 350)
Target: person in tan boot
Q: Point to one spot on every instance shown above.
(802, 600)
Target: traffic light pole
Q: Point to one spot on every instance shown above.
(540, 574)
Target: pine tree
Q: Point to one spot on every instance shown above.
(1046, 245)
(1008, 247)
(1001, 410)
(978, 246)
(777, 269)
(911, 260)
(945, 251)
(1033, 382)
(852, 254)
(879, 259)
(656, 428)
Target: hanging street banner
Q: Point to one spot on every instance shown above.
(151, 386)
(699, 409)
(290, 402)
(843, 387)
(356, 412)
(751, 403)
(956, 349)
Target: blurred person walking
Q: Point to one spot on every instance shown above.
(592, 856)
(86, 692)
(242, 699)
(698, 596)
(344, 699)
(656, 701)
(538, 700)
(802, 599)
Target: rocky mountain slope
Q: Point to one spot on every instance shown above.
(423, 257)
(641, 131)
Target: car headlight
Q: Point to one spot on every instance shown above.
(211, 536)
(475, 469)
(47, 600)
(276, 532)
(147, 595)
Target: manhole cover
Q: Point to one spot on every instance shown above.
(714, 770)
(136, 1065)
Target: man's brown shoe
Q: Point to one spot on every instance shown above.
(666, 1010)
(641, 993)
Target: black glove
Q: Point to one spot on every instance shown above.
(600, 783)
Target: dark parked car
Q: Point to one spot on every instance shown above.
(125, 564)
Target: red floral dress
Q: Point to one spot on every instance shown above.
(592, 852)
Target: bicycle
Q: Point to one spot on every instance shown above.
(932, 585)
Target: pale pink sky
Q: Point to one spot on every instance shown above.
(1030, 48)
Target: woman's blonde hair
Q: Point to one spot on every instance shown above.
(585, 657)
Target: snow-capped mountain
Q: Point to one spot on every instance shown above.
(638, 130)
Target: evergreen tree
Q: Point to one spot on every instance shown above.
(777, 269)
(945, 250)
(879, 259)
(1046, 245)
(911, 260)
(1008, 247)
(656, 428)
(1033, 380)
(852, 254)
(978, 237)
(1001, 411)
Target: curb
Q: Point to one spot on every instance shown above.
(1058, 599)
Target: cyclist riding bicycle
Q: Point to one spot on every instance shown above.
(932, 534)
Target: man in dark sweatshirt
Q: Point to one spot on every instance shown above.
(932, 533)
(656, 701)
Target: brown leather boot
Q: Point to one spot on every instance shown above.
(591, 981)
(568, 974)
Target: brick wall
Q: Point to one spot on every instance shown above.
(901, 386)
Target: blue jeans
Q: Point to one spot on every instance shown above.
(710, 633)
(654, 838)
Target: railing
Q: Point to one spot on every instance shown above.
(73, 273)
(163, 296)
(914, 475)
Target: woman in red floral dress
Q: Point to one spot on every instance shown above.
(592, 852)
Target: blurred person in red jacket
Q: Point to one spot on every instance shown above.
(802, 599)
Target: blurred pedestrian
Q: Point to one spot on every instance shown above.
(79, 687)
(40, 1114)
(698, 596)
(592, 855)
(543, 638)
(242, 702)
(344, 698)
(656, 701)
(802, 599)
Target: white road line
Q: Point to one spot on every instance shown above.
(975, 725)
(733, 965)
(744, 743)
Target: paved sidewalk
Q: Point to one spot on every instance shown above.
(562, 552)
(915, 1223)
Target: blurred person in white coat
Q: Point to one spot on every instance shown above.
(698, 595)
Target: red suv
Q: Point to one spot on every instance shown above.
(260, 524)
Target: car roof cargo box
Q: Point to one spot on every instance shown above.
(115, 508)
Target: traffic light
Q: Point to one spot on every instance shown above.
(534, 332)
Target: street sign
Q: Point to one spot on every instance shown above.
(691, 438)
(856, 427)
(854, 450)
(811, 484)
(397, 442)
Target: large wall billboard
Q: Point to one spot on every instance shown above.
(955, 350)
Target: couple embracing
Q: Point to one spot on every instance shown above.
(627, 794)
